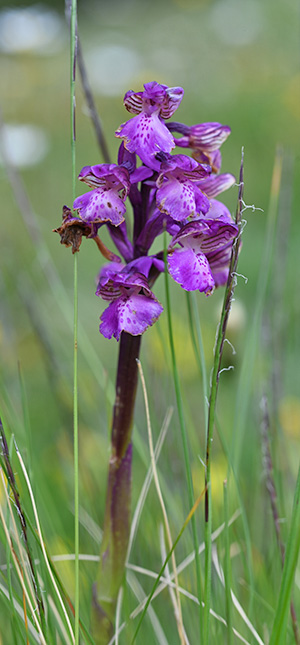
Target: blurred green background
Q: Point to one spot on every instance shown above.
(239, 64)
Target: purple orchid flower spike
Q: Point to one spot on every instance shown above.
(173, 193)
(133, 306)
(106, 202)
(146, 134)
(178, 195)
(188, 264)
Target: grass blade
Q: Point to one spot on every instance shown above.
(73, 57)
(278, 634)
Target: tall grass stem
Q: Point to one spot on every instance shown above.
(73, 48)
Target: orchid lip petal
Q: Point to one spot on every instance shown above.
(105, 203)
(101, 206)
(133, 307)
(191, 270)
(133, 314)
(146, 135)
(179, 194)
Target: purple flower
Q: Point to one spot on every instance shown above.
(127, 160)
(214, 159)
(219, 264)
(177, 194)
(219, 211)
(106, 202)
(146, 134)
(189, 264)
(133, 307)
(119, 237)
(205, 139)
(205, 136)
(145, 264)
(216, 184)
(208, 136)
(153, 228)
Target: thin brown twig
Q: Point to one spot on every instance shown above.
(79, 60)
(91, 104)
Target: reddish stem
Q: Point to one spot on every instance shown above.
(118, 498)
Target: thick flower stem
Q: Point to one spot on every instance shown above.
(118, 497)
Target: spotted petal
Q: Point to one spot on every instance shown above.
(133, 314)
(106, 175)
(146, 135)
(190, 268)
(101, 206)
(181, 199)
